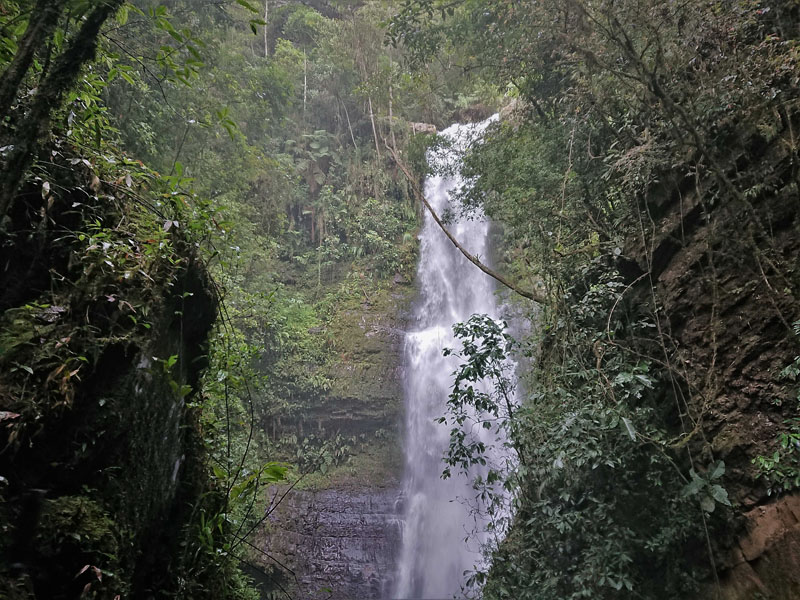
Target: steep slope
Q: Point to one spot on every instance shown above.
(104, 329)
(724, 271)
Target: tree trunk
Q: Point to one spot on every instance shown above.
(61, 78)
(43, 20)
(305, 85)
(266, 26)
(349, 126)
(374, 130)
(391, 114)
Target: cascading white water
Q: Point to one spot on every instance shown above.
(438, 516)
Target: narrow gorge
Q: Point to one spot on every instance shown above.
(420, 300)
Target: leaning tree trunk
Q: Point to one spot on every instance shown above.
(61, 78)
(41, 25)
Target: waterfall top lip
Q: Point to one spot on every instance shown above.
(479, 127)
(461, 136)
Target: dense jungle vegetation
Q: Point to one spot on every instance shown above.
(197, 202)
(200, 199)
(647, 190)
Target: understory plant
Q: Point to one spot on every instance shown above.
(781, 469)
(603, 502)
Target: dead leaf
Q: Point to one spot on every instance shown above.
(54, 373)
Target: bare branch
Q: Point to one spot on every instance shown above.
(470, 257)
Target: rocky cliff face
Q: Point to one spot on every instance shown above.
(100, 456)
(763, 564)
(726, 275)
(366, 392)
(339, 537)
(341, 544)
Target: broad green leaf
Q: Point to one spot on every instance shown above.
(629, 428)
(720, 494)
(716, 471)
(247, 5)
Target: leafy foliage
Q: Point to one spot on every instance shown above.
(600, 503)
(621, 112)
(781, 469)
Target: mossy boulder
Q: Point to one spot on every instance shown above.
(104, 319)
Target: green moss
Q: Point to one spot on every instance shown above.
(366, 336)
(376, 464)
(76, 523)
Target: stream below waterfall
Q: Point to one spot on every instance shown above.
(442, 532)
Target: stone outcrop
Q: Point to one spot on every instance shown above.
(340, 540)
(366, 390)
(765, 558)
(341, 544)
(725, 276)
(101, 457)
(426, 128)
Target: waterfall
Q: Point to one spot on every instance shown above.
(438, 513)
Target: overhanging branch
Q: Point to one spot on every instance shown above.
(470, 257)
